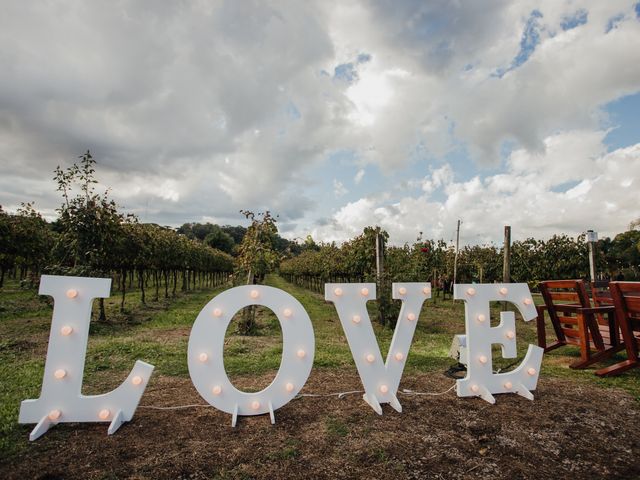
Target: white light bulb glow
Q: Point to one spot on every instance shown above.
(301, 353)
(426, 291)
(384, 388)
(356, 319)
(510, 335)
(481, 318)
(72, 293)
(217, 312)
(287, 312)
(364, 292)
(399, 356)
(289, 387)
(203, 357)
(54, 415)
(471, 291)
(532, 371)
(411, 317)
(483, 359)
(104, 414)
(508, 385)
(60, 373)
(66, 330)
(216, 390)
(402, 291)
(503, 291)
(255, 294)
(338, 292)
(370, 358)
(255, 405)
(475, 388)
(137, 380)
(527, 301)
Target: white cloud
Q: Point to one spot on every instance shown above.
(199, 109)
(528, 198)
(339, 189)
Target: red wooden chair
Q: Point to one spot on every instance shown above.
(576, 322)
(626, 299)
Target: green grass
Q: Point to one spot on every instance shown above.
(159, 334)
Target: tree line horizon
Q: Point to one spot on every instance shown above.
(92, 236)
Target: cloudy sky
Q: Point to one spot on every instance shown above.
(334, 115)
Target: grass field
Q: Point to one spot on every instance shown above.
(159, 333)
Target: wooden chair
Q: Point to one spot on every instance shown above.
(626, 299)
(576, 322)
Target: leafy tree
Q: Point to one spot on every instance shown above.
(218, 238)
(256, 257)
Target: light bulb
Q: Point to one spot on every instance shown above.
(471, 291)
(364, 292)
(338, 292)
(301, 353)
(510, 334)
(482, 359)
(384, 388)
(289, 387)
(475, 388)
(203, 357)
(66, 330)
(399, 356)
(255, 405)
(503, 291)
(356, 319)
(72, 293)
(104, 414)
(402, 291)
(411, 316)
(54, 415)
(426, 290)
(370, 358)
(217, 390)
(531, 371)
(60, 373)
(481, 318)
(217, 312)
(137, 380)
(527, 301)
(287, 312)
(255, 294)
(508, 385)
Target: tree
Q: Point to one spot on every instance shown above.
(218, 238)
(90, 224)
(256, 257)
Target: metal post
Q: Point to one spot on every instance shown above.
(455, 258)
(592, 238)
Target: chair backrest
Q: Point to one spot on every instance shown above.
(626, 298)
(600, 293)
(561, 292)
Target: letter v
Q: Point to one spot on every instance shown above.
(380, 380)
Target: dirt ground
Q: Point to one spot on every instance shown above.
(569, 431)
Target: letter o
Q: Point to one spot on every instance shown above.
(207, 336)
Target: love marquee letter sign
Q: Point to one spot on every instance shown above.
(61, 398)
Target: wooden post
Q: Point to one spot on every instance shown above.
(506, 265)
(455, 258)
(379, 275)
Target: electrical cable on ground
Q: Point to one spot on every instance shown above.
(404, 391)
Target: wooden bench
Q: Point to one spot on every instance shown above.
(576, 322)
(626, 299)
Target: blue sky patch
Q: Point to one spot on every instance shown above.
(575, 20)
